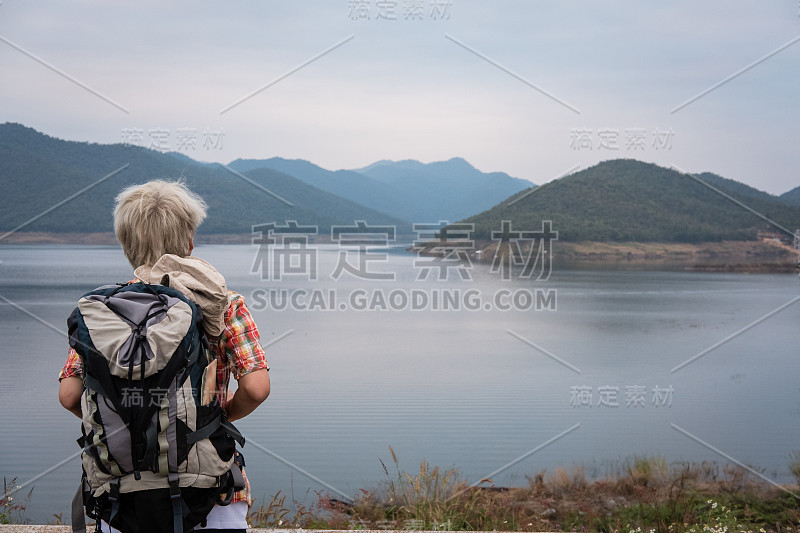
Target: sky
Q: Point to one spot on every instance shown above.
(534, 88)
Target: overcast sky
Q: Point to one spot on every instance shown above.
(533, 88)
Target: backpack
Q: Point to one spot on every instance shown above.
(157, 447)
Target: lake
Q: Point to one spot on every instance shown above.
(485, 375)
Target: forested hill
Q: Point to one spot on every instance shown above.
(792, 197)
(627, 200)
(38, 172)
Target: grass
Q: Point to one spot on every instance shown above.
(12, 506)
(638, 495)
(641, 495)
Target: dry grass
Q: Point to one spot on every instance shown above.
(13, 503)
(643, 494)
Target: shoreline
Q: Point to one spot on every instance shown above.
(640, 494)
(755, 257)
(765, 256)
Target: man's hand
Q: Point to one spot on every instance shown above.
(253, 389)
(69, 394)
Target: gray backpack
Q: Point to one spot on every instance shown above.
(158, 451)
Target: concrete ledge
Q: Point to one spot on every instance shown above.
(68, 529)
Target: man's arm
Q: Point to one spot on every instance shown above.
(253, 389)
(69, 394)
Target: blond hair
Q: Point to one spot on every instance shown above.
(156, 218)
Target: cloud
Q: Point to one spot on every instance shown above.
(400, 89)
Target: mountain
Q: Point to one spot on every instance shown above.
(628, 200)
(419, 192)
(344, 183)
(53, 185)
(388, 171)
(38, 172)
(792, 197)
(740, 190)
(451, 189)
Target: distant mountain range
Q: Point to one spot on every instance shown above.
(410, 190)
(620, 200)
(39, 171)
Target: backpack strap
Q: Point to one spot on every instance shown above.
(238, 476)
(78, 518)
(205, 431)
(90, 382)
(209, 429)
(151, 438)
(113, 497)
(177, 502)
(234, 480)
(231, 430)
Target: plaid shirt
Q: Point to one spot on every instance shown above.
(237, 349)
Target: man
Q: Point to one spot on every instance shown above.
(160, 218)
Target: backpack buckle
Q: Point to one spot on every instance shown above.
(174, 487)
(113, 497)
(177, 504)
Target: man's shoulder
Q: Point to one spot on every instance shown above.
(236, 304)
(235, 298)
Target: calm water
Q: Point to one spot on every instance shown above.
(471, 389)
